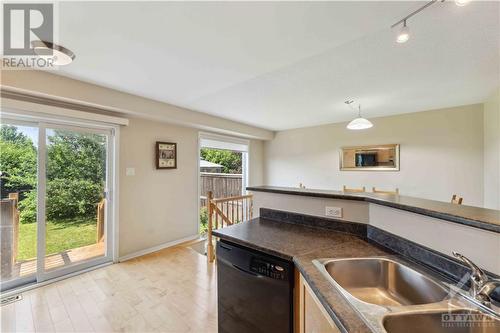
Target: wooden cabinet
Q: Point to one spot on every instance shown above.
(310, 315)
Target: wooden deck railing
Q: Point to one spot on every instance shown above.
(9, 233)
(225, 212)
(101, 208)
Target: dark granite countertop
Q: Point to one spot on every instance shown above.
(301, 244)
(482, 218)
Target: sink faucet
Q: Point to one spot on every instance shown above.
(483, 289)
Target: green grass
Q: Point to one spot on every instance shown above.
(61, 235)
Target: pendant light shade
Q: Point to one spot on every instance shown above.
(359, 124)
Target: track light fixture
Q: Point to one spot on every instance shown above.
(461, 3)
(404, 34)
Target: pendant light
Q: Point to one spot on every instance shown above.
(359, 123)
(60, 55)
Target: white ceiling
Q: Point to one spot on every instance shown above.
(281, 65)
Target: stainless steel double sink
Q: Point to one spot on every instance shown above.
(392, 297)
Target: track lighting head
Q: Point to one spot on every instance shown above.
(461, 3)
(403, 34)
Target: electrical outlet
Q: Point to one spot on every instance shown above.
(333, 211)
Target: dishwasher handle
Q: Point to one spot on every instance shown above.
(230, 264)
(247, 272)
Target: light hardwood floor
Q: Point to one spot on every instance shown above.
(173, 290)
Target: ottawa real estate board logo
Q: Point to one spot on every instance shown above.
(25, 27)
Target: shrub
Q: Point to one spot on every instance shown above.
(67, 198)
(230, 160)
(27, 208)
(203, 220)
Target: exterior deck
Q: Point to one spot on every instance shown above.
(54, 261)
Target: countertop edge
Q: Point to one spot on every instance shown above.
(360, 197)
(321, 299)
(253, 246)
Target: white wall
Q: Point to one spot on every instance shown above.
(161, 206)
(441, 154)
(256, 163)
(352, 210)
(440, 235)
(156, 206)
(492, 152)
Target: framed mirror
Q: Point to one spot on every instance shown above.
(370, 158)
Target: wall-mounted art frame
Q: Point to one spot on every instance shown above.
(370, 158)
(166, 155)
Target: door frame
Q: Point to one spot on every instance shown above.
(229, 142)
(111, 131)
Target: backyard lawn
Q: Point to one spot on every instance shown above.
(61, 235)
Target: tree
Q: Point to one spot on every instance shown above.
(18, 161)
(73, 155)
(230, 160)
(76, 170)
(18, 166)
(10, 133)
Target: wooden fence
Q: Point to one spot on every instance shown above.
(222, 185)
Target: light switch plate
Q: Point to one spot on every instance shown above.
(333, 211)
(130, 171)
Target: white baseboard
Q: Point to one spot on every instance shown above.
(157, 248)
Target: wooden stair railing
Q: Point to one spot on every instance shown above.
(228, 211)
(455, 199)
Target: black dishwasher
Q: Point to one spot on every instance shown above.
(254, 291)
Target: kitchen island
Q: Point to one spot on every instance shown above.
(302, 240)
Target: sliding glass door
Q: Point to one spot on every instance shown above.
(75, 183)
(61, 177)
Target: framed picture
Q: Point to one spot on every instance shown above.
(166, 155)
